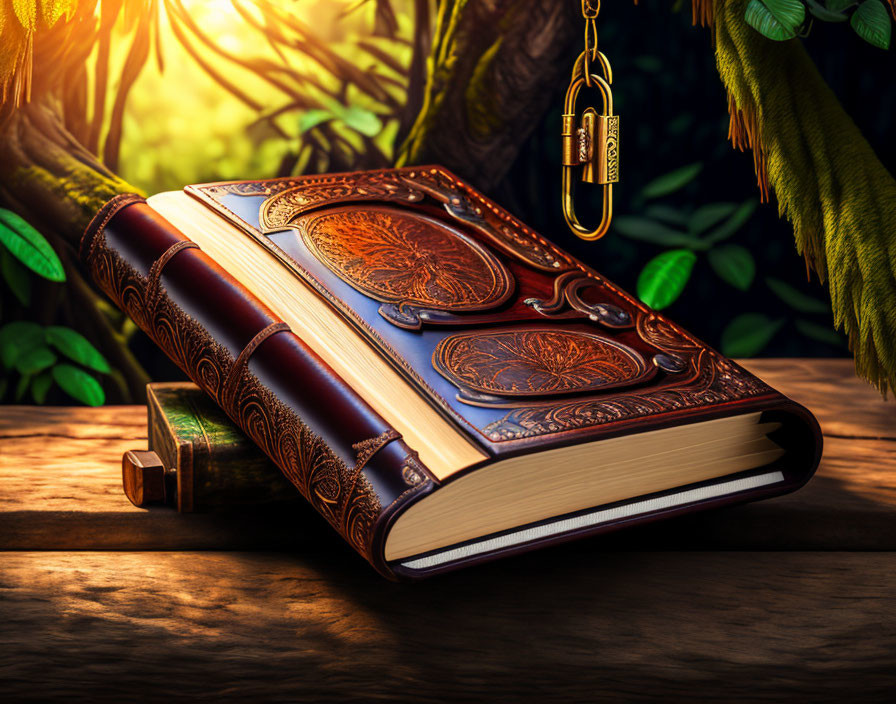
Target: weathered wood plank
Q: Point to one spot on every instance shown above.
(845, 405)
(60, 484)
(106, 422)
(64, 492)
(578, 626)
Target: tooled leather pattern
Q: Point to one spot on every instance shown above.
(708, 378)
(399, 259)
(537, 362)
(342, 494)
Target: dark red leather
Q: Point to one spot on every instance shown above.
(341, 455)
(430, 270)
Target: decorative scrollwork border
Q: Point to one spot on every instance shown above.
(703, 376)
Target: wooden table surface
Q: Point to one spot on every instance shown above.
(101, 601)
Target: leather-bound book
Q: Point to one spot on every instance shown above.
(444, 385)
(198, 460)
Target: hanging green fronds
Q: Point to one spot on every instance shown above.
(827, 179)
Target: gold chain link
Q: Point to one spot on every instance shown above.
(590, 141)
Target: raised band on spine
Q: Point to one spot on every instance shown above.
(153, 284)
(242, 360)
(102, 218)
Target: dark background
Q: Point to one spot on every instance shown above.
(674, 112)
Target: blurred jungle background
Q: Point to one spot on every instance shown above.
(104, 96)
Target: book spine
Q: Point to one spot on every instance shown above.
(215, 466)
(350, 464)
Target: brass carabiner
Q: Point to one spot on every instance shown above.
(593, 145)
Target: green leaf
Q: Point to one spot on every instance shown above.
(669, 215)
(29, 246)
(18, 338)
(821, 333)
(672, 181)
(75, 346)
(708, 215)
(733, 264)
(21, 388)
(748, 334)
(737, 220)
(796, 299)
(871, 21)
(361, 120)
(79, 384)
(40, 387)
(840, 5)
(313, 118)
(647, 230)
(16, 277)
(664, 277)
(790, 13)
(35, 360)
(760, 18)
(827, 14)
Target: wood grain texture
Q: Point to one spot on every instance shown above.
(60, 488)
(578, 625)
(60, 485)
(585, 621)
(844, 405)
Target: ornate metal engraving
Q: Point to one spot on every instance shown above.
(405, 259)
(535, 362)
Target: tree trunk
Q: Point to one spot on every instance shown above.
(492, 70)
(48, 177)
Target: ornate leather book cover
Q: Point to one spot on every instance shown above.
(511, 337)
(516, 343)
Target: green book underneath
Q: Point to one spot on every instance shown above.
(202, 461)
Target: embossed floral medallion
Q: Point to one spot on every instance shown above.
(406, 258)
(537, 361)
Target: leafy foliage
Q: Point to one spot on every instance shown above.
(733, 264)
(705, 229)
(287, 88)
(329, 86)
(79, 384)
(27, 349)
(780, 25)
(76, 347)
(827, 179)
(797, 300)
(872, 23)
(748, 334)
(664, 277)
(785, 19)
(671, 182)
(28, 246)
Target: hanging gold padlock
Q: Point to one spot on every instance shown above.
(593, 144)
